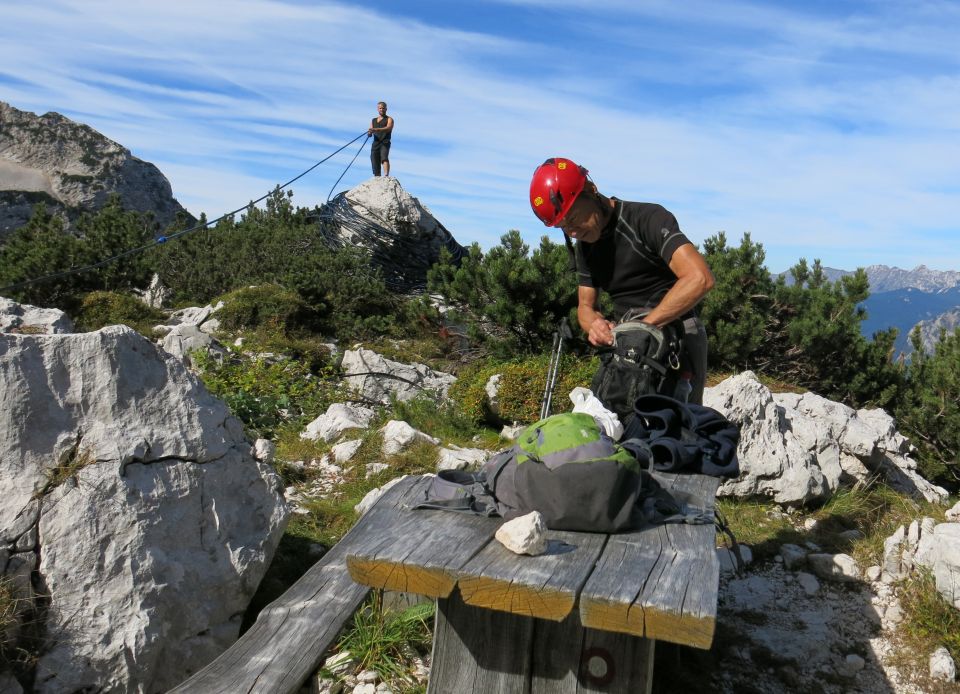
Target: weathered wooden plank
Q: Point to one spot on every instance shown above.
(479, 650)
(680, 604)
(568, 659)
(291, 634)
(660, 582)
(419, 551)
(545, 586)
(476, 650)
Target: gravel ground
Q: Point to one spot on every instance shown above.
(786, 631)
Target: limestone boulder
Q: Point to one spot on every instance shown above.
(378, 379)
(132, 499)
(401, 235)
(799, 448)
(31, 320)
(774, 463)
(941, 554)
(338, 418)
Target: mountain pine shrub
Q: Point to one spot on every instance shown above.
(929, 412)
(510, 299)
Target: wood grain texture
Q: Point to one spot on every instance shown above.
(478, 651)
(419, 551)
(544, 586)
(291, 635)
(660, 582)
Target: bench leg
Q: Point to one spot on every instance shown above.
(485, 651)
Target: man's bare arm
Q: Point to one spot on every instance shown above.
(694, 280)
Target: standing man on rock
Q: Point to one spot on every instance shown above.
(380, 128)
(635, 252)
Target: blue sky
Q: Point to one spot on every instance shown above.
(824, 129)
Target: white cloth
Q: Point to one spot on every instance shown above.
(584, 400)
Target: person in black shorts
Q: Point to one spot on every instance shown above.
(635, 252)
(380, 128)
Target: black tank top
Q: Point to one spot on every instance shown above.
(380, 138)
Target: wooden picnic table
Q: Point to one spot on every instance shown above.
(583, 617)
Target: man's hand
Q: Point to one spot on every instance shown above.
(601, 332)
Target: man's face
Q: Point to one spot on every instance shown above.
(381, 109)
(583, 219)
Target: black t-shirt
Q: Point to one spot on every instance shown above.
(631, 259)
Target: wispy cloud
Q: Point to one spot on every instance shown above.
(825, 130)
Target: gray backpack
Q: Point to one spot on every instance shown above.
(576, 476)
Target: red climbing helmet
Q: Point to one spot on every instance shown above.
(555, 185)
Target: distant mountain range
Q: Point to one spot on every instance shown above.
(903, 298)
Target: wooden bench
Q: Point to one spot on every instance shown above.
(583, 617)
(290, 638)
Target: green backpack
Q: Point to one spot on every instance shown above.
(566, 468)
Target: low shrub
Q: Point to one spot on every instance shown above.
(98, 309)
(267, 393)
(521, 387)
(264, 305)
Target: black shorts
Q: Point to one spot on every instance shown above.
(379, 154)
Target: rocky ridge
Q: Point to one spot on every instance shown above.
(72, 168)
(930, 329)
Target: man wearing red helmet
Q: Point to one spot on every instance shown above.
(634, 251)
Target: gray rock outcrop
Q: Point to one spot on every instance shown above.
(796, 449)
(73, 169)
(30, 320)
(404, 239)
(377, 378)
(132, 501)
(929, 544)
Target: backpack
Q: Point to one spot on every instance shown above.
(566, 468)
(644, 359)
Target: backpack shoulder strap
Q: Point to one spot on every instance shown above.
(456, 490)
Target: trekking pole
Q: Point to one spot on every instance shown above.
(562, 333)
(545, 402)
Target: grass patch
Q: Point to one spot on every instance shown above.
(445, 421)
(10, 610)
(385, 641)
(930, 622)
(874, 509)
(761, 525)
(21, 629)
(70, 463)
(775, 385)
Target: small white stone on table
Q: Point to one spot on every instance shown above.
(524, 535)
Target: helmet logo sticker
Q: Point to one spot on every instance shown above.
(561, 165)
(538, 201)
